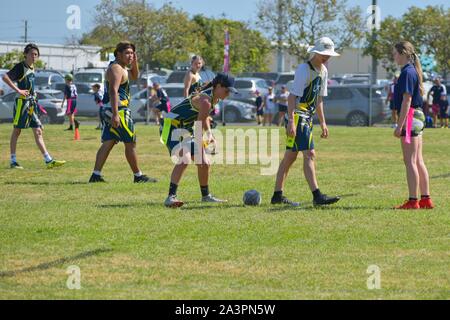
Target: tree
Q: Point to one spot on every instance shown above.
(10, 59)
(303, 22)
(249, 49)
(427, 29)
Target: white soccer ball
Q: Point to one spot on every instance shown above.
(252, 198)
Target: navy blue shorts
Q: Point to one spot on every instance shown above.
(124, 133)
(303, 141)
(25, 115)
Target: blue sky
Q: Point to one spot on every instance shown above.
(47, 18)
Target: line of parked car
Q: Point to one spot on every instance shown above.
(347, 102)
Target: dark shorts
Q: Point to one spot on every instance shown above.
(418, 124)
(282, 108)
(260, 112)
(303, 140)
(25, 115)
(71, 106)
(443, 113)
(125, 133)
(162, 107)
(391, 105)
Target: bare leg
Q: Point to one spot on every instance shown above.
(103, 154)
(38, 137)
(412, 172)
(283, 170)
(131, 155)
(424, 180)
(309, 169)
(14, 137)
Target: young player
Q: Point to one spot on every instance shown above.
(118, 125)
(70, 95)
(25, 108)
(310, 86)
(177, 134)
(408, 101)
(98, 98)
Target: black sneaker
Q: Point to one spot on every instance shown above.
(69, 129)
(144, 179)
(325, 200)
(16, 165)
(96, 178)
(286, 201)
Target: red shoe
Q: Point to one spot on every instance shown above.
(426, 204)
(409, 205)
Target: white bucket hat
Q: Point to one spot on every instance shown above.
(324, 46)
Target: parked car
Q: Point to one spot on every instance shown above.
(147, 79)
(90, 77)
(283, 79)
(47, 80)
(4, 88)
(235, 111)
(50, 100)
(247, 88)
(271, 78)
(349, 104)
(178, 76)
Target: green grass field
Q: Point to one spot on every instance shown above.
(127, 245)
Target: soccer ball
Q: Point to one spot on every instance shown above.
(252, 198)
(418, 122)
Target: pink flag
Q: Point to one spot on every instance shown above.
(226, 62)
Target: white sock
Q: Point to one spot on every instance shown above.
(13, 158)
(139, 174)
(47, 158)
(97, 173)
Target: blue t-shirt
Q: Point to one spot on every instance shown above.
(408, 82)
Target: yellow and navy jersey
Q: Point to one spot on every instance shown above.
(186, 113)
(308, 86)
(196, 86)
(24, 76)
(124, 92)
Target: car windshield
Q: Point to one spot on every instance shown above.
(176, 77)
(39, 81)
(174, 92)
(262, 84)
(88, 77)
(243, 84)
(285, 78)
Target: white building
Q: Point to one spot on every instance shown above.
(61, 57)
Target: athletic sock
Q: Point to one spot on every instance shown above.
(13, 158)
(47, 158)
(413, 199)
(425, 197)
(205, 191)
(317, 194)
(97, 173)
(138, 174)
(173, 189)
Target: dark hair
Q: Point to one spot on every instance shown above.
(96, 86)
(122, 46)
(196, 57)
(29, 47)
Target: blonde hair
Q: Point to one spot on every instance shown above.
(407, 49)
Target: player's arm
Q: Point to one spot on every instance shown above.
(187, 83)
(114, 76)
(291, 128)
(407, 99)
(321, 116)
(133, 73)
(203, 116)
(13, 86)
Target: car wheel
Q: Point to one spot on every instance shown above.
(357, 119)
(231, 115)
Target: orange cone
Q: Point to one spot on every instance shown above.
(77, 134)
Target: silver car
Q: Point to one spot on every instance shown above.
(50, 100)
(235, 111)
(247, 88)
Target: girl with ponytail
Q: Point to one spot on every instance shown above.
(408, 101)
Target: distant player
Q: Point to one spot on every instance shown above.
(71, 95)
(98, 98)
(25, 108)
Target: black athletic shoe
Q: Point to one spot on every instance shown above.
(69, 129)
(286, 201)
(96, 178)
(16, 165)
(144, 179)
(325, 200)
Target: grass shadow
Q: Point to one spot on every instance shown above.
(442, 176)
(54, 263)
(45, 183)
